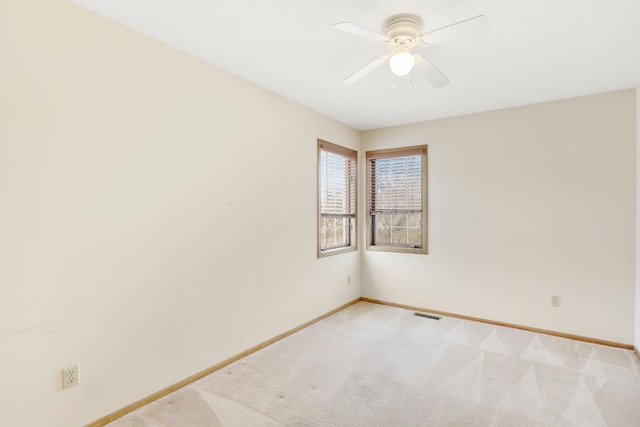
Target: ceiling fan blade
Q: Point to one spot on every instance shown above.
(365, 70)
(466, 28)
(435, 76)
(361, 31)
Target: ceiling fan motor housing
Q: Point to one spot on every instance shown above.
(403, 30)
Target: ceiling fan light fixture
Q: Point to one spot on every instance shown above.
(401, 63)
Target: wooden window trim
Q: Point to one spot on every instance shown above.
(351, 155)
(390, 153)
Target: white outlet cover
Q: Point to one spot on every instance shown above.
(70, 377)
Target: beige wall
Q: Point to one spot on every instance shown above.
(158, 215)
(637, 325)
(525, 203)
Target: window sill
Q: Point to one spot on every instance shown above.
(380, 248)
(336, 251)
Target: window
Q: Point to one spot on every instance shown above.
(336, 199)
(397, 200)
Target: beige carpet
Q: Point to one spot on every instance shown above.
(373, 365)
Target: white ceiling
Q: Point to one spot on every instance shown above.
(536, 50)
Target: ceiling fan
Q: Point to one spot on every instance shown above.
(402, 33)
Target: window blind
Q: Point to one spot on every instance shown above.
(337, 184)
(395, 184)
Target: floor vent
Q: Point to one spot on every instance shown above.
(428, 316)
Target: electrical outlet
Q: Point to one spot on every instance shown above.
(70, 376)
(348, 280)
(555, 301)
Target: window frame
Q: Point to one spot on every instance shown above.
(391, 153)
(352, 155)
